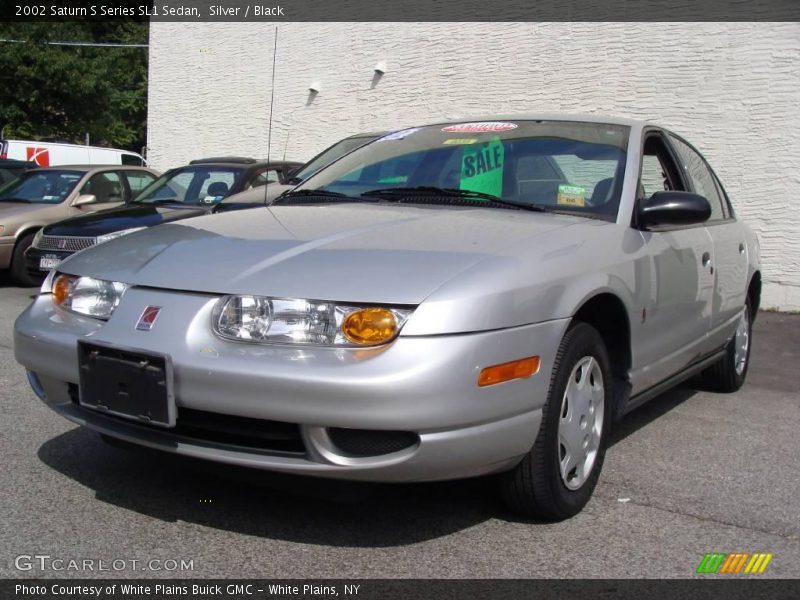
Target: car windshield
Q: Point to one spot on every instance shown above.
(196, 184)
(41, 187)
(558, 166)
(327, 156)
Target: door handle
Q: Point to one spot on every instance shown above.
(706, 259)
(741, 248)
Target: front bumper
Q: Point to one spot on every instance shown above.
(34, 256)
(425, 386)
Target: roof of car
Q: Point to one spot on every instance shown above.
(587, 118)
(371, 134)
(18, 164)
(94, 167)
(247, 163)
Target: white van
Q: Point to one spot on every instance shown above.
(49, 154)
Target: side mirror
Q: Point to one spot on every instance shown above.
(84, 199)
(672, 208)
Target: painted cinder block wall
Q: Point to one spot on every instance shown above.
(733, 89)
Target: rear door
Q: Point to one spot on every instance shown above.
(679, 281)
(727, 234)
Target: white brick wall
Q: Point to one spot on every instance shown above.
(732, 89)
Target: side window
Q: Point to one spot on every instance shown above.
(701, 176)
(106, 187)
(262, 177)
(138, 180)
(132, 160)
(659, 172)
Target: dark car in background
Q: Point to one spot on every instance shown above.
(323, 159)
(195, 189)
(11, 169)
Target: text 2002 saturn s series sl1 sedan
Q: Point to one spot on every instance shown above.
(447, 301)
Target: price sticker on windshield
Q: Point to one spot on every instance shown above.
(571, 195)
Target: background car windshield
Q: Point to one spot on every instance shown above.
(192, 185)
(328, 156)
(566, 166)
(41, 187)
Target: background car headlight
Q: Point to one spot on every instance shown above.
(293, 321)
(115, 234)
(87, 296)
(37, 237)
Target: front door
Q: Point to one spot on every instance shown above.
(677, 315)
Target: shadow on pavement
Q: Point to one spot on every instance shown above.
(264, 504)
(287, 507)
(649, 412)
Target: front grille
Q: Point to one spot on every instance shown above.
(369, 442)
(64, 243)
(225, 430)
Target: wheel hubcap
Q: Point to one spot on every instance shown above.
(580, 424)
(741, 343)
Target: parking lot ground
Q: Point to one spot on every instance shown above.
(689, 473)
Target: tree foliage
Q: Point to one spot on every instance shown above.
(65, 92)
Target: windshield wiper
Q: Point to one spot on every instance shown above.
(324, 195)
(15, 200)
(406, 192)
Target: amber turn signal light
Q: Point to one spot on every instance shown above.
(369, 326)
(516, 369)
(61, 288)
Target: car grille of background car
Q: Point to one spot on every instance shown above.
(64, 243)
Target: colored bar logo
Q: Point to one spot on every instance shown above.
(735, 563)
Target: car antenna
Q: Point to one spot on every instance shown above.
(271, 105)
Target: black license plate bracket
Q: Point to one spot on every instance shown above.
(128, 383)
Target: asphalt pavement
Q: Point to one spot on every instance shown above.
(689, 473)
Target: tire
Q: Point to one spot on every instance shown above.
(19, 271)
(536, 486)
(728, 374)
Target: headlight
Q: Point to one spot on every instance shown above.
(87, 296)
(36, 238)
(288, 321)
(115, 234)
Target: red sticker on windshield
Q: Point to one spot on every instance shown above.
(484, 127)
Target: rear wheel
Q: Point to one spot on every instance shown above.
(729, 373)
(557, 477)
(19, 271)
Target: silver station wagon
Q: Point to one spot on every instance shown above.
(451, 300)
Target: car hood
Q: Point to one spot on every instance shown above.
(123, 217)
(358, 253)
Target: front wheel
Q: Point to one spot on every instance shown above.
(557, 477)
(19, 270)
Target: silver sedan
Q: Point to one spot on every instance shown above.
(450, 300)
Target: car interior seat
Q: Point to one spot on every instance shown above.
(218, 188)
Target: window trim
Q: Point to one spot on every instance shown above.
(658, 132)
(728, 215)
